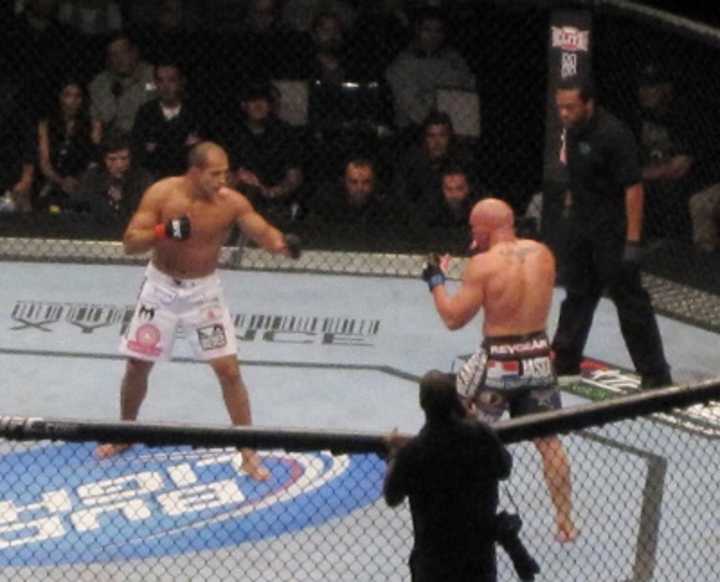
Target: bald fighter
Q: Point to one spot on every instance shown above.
(185, 220)
(512, 280)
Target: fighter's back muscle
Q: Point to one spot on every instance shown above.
(518, 285)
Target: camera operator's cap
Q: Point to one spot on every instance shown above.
(653, 73)
(258, 90)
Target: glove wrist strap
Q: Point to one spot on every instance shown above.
(435, 280)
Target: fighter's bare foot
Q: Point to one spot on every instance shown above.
(253, 467)
(566, 532)
(110, 450)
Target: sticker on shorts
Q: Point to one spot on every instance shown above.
(146, 311)
(212, 337)
(147, 338)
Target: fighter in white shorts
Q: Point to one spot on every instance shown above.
(184, 221)
(166, 304)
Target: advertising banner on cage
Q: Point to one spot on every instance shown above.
(569, 57)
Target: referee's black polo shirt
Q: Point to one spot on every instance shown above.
(602, 160)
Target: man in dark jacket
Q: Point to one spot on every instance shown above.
(167, 127)
(111, 191)
(450, 473)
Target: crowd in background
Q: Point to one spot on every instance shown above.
(86, 84)
(104, 97)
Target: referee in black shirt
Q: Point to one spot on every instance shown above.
(604, 210)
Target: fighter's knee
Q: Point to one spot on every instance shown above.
(138, 369)
(228, 372)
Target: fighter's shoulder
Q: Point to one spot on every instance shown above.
(163, 188)
(536, 249)
(479, 266)
(535, 245)
(233, 199)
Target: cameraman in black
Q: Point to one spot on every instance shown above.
(450, 472)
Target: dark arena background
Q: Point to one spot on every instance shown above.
(367, 128)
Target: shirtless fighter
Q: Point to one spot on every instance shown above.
(512, 279)
(185, 220)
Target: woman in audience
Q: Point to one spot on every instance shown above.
(67, 141)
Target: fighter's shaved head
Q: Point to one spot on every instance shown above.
(491, 220)
(202, 152)
(492, 214)
(208, 168)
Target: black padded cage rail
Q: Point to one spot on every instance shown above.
(181, 507)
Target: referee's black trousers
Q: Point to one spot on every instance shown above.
(593, 264)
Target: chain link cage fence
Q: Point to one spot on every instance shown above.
(350, 83)
(651, 67)
(179, 506)
(642, 485)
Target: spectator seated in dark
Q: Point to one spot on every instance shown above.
(300, 15)
(379, 33)
(94, 21)
(329, 63)
(18, 156)
(37, 50)
(67, 145)
(426, 65)
(111, 190)
(123, 87)
(167, 127)
(354, 199)
(92, 17)
(459, 195)
(264, 153)
(348, 110)
(668, 155)
(224, 17)
(269, 48)
(344, 94)
(418, 176)
(168, 34)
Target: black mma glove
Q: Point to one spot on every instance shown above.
(432, 273)
(175, 228)
(633, 253)
(293, 245)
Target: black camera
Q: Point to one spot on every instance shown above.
(507, 530)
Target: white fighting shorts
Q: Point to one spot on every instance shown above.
(166, 304)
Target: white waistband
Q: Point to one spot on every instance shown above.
(158, 276)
